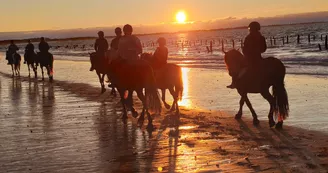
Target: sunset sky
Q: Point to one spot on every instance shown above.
(28, 15)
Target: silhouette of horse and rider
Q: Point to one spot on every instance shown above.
(131, 70)
(43, 58)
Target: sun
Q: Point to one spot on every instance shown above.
(181, 17)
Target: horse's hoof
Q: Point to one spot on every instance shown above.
(103, 90)
(167, 106)
(238, 116)
(272, 124)
(256, 122)
(135, 114)
(172, 109)
(51, 79)
(279, 125)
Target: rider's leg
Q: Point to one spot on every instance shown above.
(233, 82)
(92, 62)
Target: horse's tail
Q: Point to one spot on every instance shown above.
(179, 85)
(281, 97)
(152, 95)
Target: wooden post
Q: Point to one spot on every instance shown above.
(309, 38)
(320, 49)
(287, 39)
(326, 42)
(321, 38)
(274, 40)
(211, 46)
(298, 39)
(222, 44)
(233, 43)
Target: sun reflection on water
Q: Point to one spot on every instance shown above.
(186, 102)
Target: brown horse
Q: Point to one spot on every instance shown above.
(14, 60)
(45, 59)
(168, 77)
(271, 72)
(30, 59)
(136, 75)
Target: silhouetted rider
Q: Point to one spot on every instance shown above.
(12, 49)
(101, 47)
(44, 46)
(29, 50)
(129, 47)
(115, 41)
(254, 46)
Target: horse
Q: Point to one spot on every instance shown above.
(30, 59)
(45, 59)
(14, 60)
(136, 75)
(271, 72)
(167, 77)
(102, 68)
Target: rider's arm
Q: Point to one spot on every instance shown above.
(96, 45)
(246, 46)
(263, 45)
(139, 46)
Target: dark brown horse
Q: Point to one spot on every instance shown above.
(270, 72)
(31, 63)
(101, 66)
(45, 59)
(136, 75)
(14, 60)
(169, 76)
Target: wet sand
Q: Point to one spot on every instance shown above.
(67, 126)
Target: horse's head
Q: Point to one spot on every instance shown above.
(233, 60)
(146, 56)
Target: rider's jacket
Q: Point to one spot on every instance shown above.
(44, 47)
(114, 43)
(160, 56)
(29, 48)
(12, 49)
(254, 46)
(129, 47)
(101, 45)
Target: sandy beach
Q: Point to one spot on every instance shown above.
(68, 126)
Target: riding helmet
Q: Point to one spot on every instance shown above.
(254, 26)
(127, 28)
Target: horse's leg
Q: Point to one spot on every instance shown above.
(99, 77)
(167, 106)
(125, 113)
(270, 99)
(12, 69)
(113, 92)
(103, 89)
(240, 112)
(142, 98)
(29, 71)
(35, 69)
(42, 73)
(248, 103)
(175, 98)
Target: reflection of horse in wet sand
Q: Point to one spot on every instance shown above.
(31, 63)
(136, 76)
(168, 77)
(271, 72)
(14, 61)
(46, 60)
(101, 66)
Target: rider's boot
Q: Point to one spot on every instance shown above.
(233, 84)
(92, 68)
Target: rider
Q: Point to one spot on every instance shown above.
(129, 49)
(29, 50)
(101, 47)
(12, 49)
(115, 41)
(254, 46)
(161, 53)
(129, 46)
